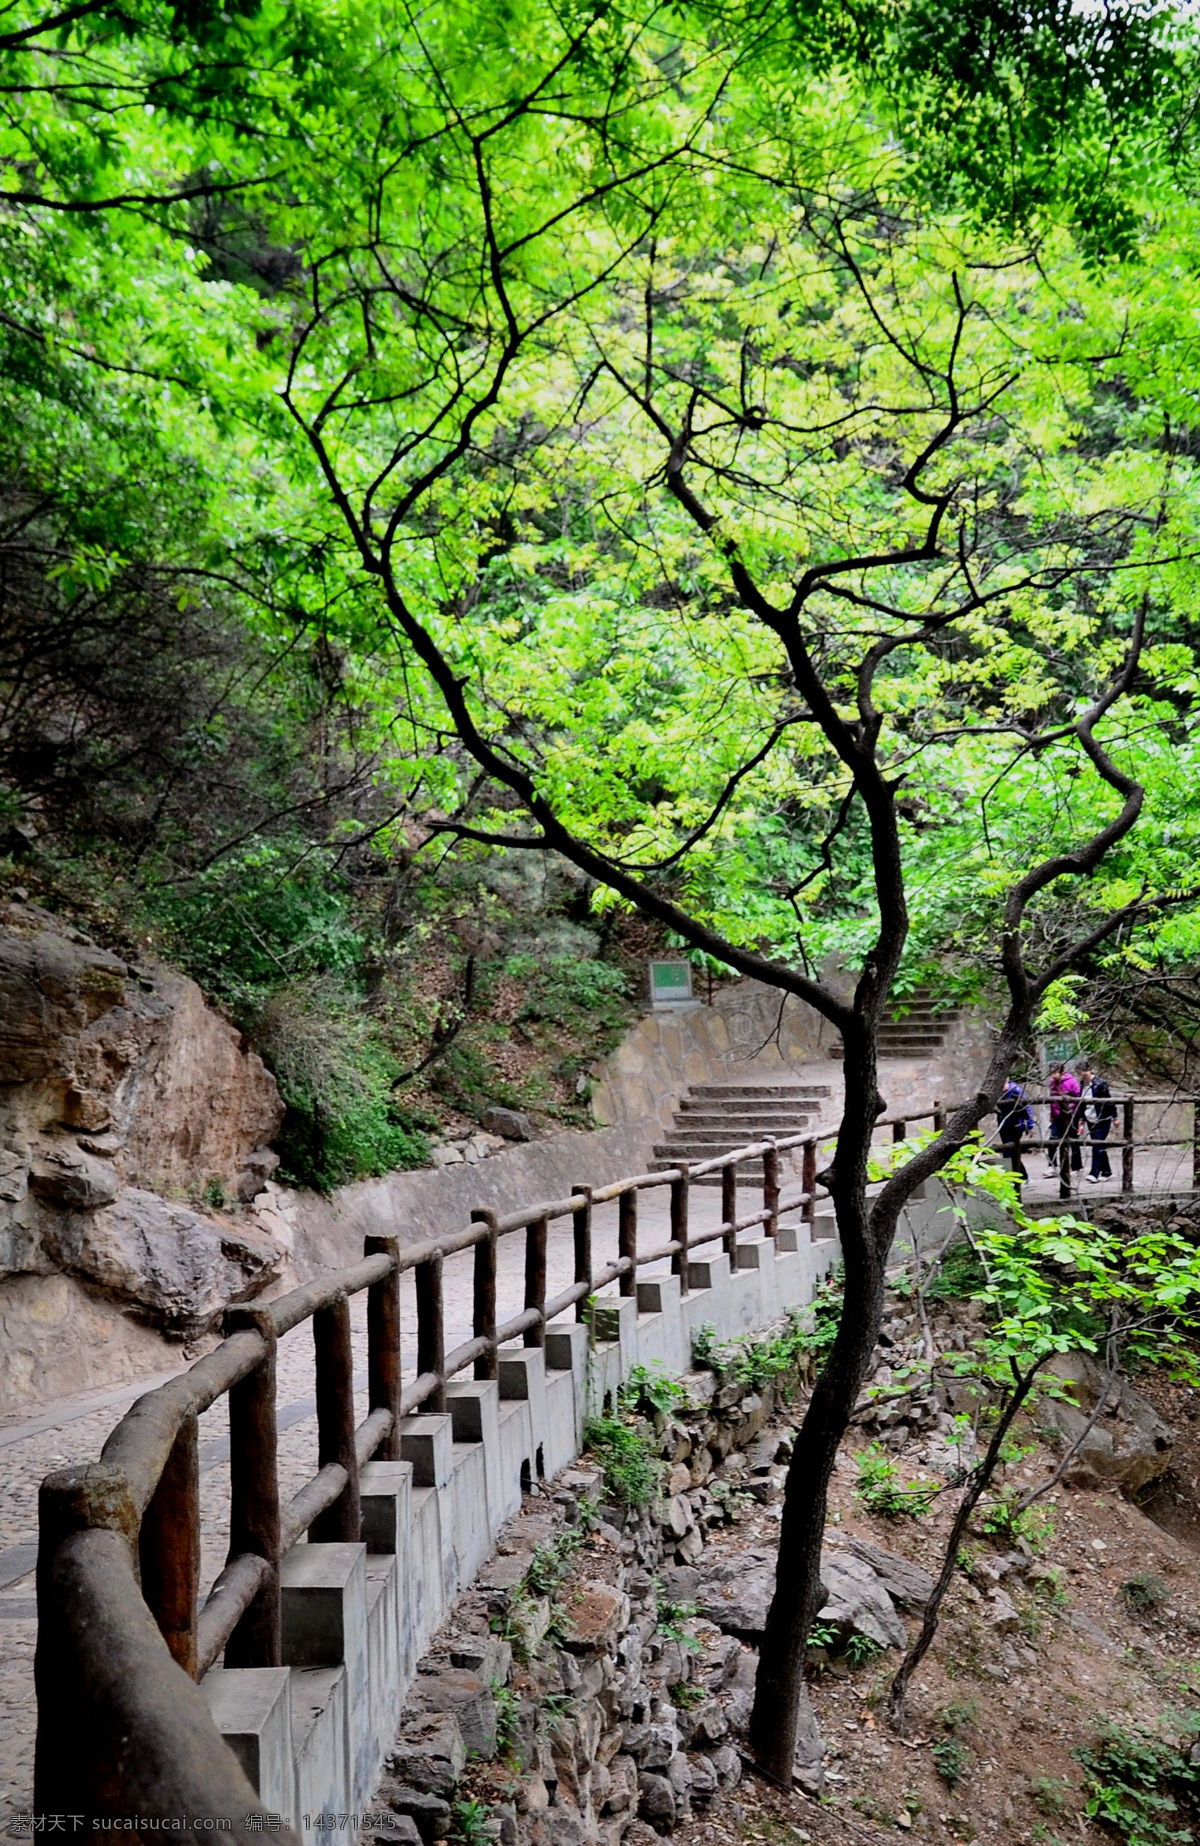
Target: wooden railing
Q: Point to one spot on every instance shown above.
(119, 1541)
(1126, 1144)
(122, 1638)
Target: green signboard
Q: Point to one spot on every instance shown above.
(670, 983)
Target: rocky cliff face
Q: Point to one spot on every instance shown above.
(118, 1085)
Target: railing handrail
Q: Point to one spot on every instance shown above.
(144, 1492)
(141, 1442)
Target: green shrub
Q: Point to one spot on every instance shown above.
(508, 1712)
(651, 1387)
(951, 1758)
(861, 1649)
(269, 911)
(551, 1562)
(671, 1619)
(1051, 1795)
(960, 1274)
(880, 1490)
(1143, 1788)
(1004, 1518)
(574, 995)
(627, 1460)
(1144, 1592)
(336, 1080)
(472, 1823)
(757, 1362)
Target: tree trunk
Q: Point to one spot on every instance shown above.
(779, 1687)
(976, 1487)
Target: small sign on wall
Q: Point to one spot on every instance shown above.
(670, 983)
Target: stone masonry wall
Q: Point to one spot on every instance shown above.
(742, 1035)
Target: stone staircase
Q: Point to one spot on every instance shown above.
(921, 1032)
(716, 1116)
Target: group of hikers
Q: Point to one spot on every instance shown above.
(1080, 1103)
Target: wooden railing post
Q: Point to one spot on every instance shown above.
(431, 1328)
(729, 1212)
(1127, 1145)
(383, 1343)
(341, 1522)
(254, 1493)
(1064, 1165)
(680, 1189)
(808, 1181)
(169, 1547)
(73, 1764)
(939, 1116)
(484, 1318)
(771, 1190)
(627, 1240)
(581, 1224)
(899, 1131)
(535, 1279)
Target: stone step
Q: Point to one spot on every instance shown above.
(738, 1119)
(757, 1091)
(718, 1139)
(749, 1105)
(920, 1041)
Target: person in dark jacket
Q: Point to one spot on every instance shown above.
(1100, 1112)
(1014, 1118)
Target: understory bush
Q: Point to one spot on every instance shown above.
(1144, 1789)
(625, 1454)
(336, 1081)
(798, 1349)
(881, 1491)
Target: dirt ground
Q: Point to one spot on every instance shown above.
(1017, 1704)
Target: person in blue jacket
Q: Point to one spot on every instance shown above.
(1015, 1119)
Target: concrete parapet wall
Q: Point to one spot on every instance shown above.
(329, 1231)
(312, 1735)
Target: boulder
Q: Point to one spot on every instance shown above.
(597, 1615)
(512, 1124)
(89, 1043)
(656, 1801)
(1129, 1445)
(62, 1173)
(401, 1830)
(429, 1813)
(470, 1700)
(163, 1263)
(118, 1082)
(856, 1601)
(809, 1765)
(429, 1753)
(736, 1594)
(908, 1585)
